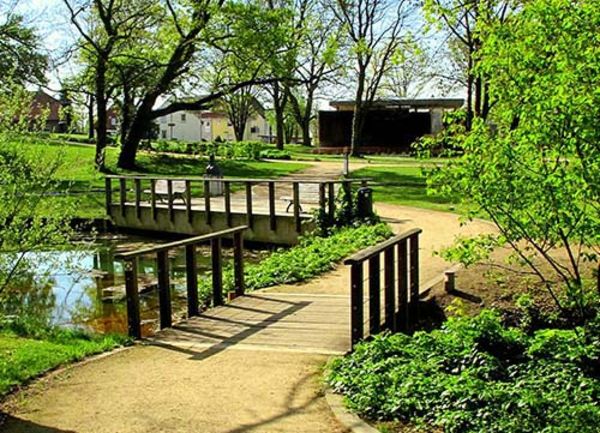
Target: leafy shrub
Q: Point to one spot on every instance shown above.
(275, 154)
(313, 256)
(250, 150)
(476, 375)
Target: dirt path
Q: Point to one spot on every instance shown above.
(241, 388)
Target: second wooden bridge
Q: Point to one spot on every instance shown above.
(276, 211)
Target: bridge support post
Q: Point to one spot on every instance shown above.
(191, 269)
(164, 288)
(356, 303)
(133, 301)
(217, 271)
(238, 263)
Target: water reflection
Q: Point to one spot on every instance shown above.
(85, 286)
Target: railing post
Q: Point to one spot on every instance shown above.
(217, 271)
(272, 216)
(374, 295)
(188, 200)
(134, 328)
(296, 198)
(164, 288)
(108, 192)
(414, 278)
(249, 216)
(322, 210)
(331, 203)
(389, 289)
(238, 263)
(207, 202)
(227, 198)
(191, 279)
(138, 197)
(170, 200)
(153, 197)
(347, 185)
(122, 194)
(356, 303)
(402, 319)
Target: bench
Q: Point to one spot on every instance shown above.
(161, 189)
(309, 193)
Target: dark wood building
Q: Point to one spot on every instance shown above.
(391, 125)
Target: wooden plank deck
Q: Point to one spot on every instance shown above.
(265, 321)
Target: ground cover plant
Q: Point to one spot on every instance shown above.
(477, 375)
(313, 256)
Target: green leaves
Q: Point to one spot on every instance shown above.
(476, 375)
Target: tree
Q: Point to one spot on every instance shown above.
(534, 167)
(21, 60)
(409, 72)
(105, 25)
(29, 222)
(375, 29)
(466, 22)
(240, 106)
(318, 60)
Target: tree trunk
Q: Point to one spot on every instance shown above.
(238, 130)
(306, 140)
(101, 135)
(469, 93)
(90, 107)
(357, 118)
(140, 123)
(279, 106)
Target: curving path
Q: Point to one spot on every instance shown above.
(254, 366)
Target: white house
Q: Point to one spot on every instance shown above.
(209, 125)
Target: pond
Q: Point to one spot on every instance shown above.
(84, 287)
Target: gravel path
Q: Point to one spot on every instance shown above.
(238, 389)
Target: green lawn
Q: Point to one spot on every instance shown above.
(78, 176)
(404, 185)
(24, 358)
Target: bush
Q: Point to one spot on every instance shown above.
(313, 256)
(275, 154)
(250, 150)
(476, 375)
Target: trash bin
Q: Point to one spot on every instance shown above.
(364, 202)
(214, 174)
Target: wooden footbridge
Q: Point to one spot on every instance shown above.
(275, 211)
(383, 294)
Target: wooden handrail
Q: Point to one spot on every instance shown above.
(400, 285)
(130, 267)
(239, 179)
(182, 243)
(367, 253)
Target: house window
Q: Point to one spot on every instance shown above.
(163, 134)
(254, 130)
(183, 117)
(113, 121)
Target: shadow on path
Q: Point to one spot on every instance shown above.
(237, 338)
(13, 424)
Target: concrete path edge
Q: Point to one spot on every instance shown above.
(348, 419)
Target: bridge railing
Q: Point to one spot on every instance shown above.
(400, 286)
(203, 187)
(164, 284)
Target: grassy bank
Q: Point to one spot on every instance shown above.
(23, 357)
(405, 185)
(78, 176)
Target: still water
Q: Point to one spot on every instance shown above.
(84, 287)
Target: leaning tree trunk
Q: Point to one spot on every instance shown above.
(140, 123)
